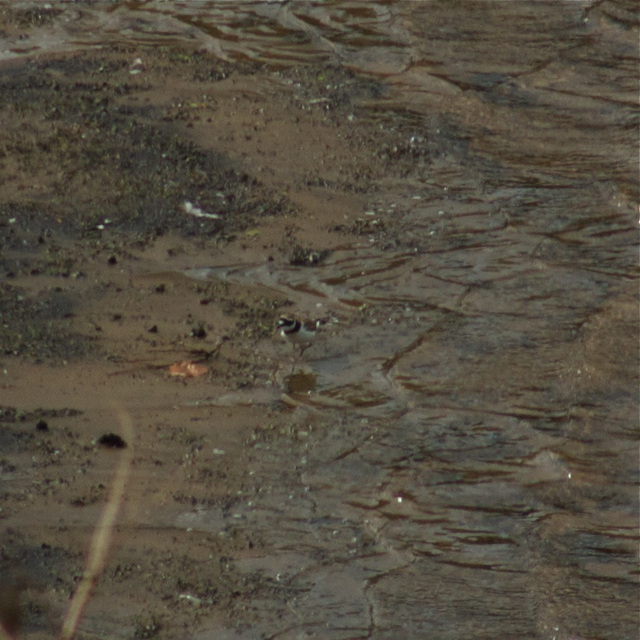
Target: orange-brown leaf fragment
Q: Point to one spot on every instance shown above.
(187, 369)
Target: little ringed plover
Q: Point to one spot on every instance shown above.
(298, 333)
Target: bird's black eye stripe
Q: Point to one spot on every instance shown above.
(289, 325)
(291, 328)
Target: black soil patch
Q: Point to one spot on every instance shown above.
(99, 163)
(85, 176)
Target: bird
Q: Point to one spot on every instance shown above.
(298, 333)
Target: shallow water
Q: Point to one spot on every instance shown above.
(461, 454)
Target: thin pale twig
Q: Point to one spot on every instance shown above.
(101, 536)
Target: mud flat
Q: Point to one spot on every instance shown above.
(455, 456)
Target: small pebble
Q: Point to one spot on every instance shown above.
(112, 440)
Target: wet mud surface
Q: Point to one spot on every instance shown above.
(454, 456)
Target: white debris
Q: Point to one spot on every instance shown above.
(137, 67)
(190, 209)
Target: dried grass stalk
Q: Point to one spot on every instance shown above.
(101, 536)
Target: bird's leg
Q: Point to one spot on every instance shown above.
(303, 348)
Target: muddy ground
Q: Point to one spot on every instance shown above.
(97, 158)
(456, 455)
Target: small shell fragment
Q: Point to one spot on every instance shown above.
(138, 66)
